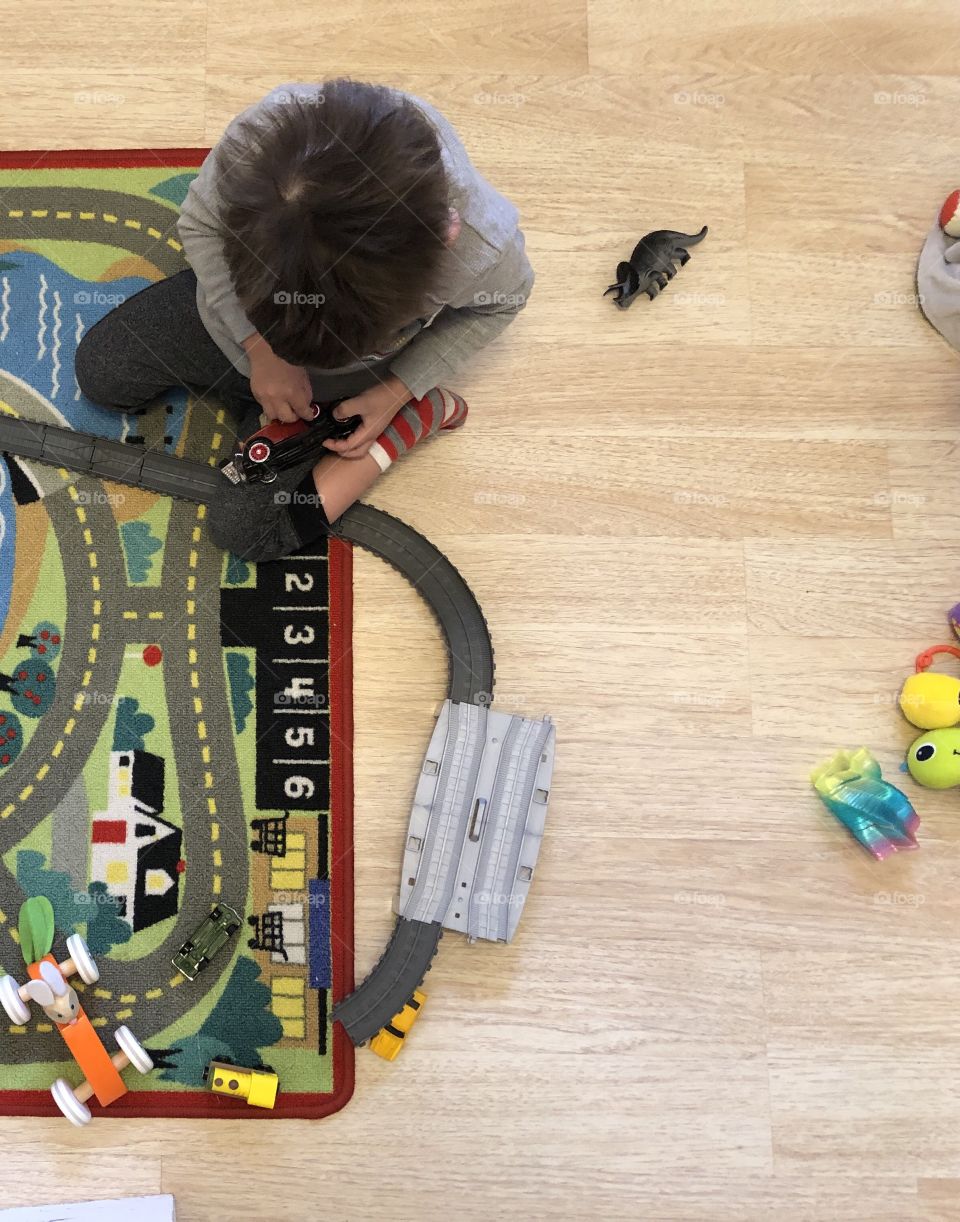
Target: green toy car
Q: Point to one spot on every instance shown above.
(213, 932)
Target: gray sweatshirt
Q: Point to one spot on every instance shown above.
(484, 282)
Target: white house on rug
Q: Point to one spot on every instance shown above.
(133, 851)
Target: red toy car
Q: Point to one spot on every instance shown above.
(279, 446)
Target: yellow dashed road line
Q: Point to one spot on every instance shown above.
(215, 443)
(41, 214)
(153, 994)
(57, 748)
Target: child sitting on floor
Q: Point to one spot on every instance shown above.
(341, 246)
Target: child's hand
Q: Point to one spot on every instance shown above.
(377, 407)
(282, 390)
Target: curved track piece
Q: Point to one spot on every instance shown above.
(388, 988)
(442, 588)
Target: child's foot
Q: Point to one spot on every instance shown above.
(438, 409)
(455, 408)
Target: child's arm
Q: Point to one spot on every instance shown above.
(282, 389)
(201, 226)
(376, 407)
(436, 355)
(201, 233)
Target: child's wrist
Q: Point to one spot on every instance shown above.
(393, 390)
(254, 343)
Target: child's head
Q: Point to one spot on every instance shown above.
(337, 212)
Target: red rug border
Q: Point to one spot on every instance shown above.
(100, 159)
(299, 1106)
(290, 1106)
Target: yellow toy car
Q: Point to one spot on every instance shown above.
(257, 1086)
(389, 1040)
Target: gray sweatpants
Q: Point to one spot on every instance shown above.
(156, 340)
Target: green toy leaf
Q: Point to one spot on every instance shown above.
(36, 928)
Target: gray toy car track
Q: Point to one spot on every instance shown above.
(110, 460)
(390, 985)
(443, 589)
(411, 948)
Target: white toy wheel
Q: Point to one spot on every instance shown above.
(83, 961)
(76, 1112)
(17, 1009)
(136, 1054)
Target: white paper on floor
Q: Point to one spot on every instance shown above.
(144, 1209)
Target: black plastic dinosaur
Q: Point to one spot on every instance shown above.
(651, 264)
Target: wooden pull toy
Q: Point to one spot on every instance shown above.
(48, 988)
(102, 1070)
(80, 963)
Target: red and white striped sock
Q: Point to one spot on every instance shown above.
(438, 409)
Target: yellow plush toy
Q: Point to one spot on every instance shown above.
(931, 701)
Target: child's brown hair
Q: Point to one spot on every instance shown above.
(336, 211)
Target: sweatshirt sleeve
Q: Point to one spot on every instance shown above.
(439, 352)
(202, 231)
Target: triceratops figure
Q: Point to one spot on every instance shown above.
(651, 264)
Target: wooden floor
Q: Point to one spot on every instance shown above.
(709, 533)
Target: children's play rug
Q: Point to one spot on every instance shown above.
(175, 725)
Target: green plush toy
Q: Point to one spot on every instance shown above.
(933, 759)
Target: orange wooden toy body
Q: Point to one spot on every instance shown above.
(88, 1050)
